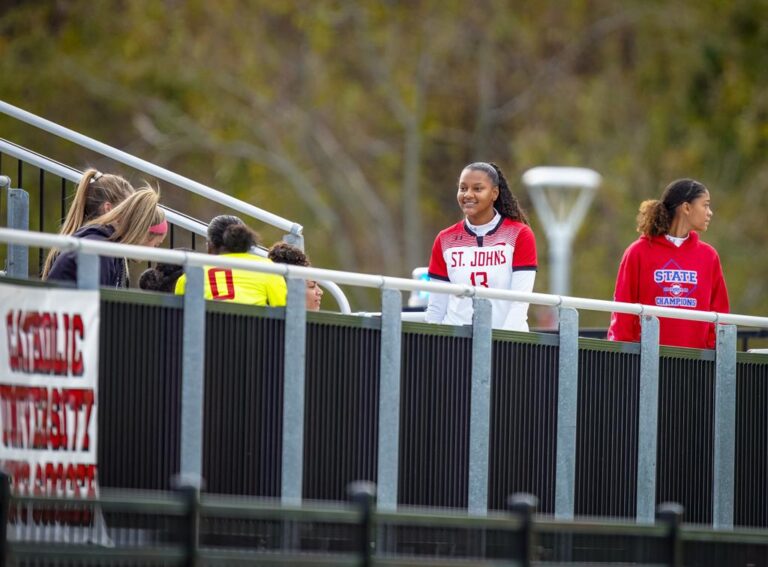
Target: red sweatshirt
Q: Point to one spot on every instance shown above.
(654, 271)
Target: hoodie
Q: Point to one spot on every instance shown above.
(113, 271)
(654, 271)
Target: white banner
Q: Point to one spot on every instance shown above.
(49, 370)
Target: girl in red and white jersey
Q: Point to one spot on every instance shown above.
(669, 266)
(493, 246)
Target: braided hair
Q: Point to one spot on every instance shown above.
(507, 204)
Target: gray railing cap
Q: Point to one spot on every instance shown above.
(366, 280)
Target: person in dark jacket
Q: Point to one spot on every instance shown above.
(96, 194)
(137, 220)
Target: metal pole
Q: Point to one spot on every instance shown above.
(725, 427)
(363, 494)
(567, 400)
(524, 506)
(18, 218)
(294, 363)
(193, 378)
(671, 514)
(190, 533)
(294, 239)
(560, 267)
(389, 398)
(88, 271)
(648, 419)
(561, 197)
(480, 407)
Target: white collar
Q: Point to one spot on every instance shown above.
(483, 229)
(677, 240)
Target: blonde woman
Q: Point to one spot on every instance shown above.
(137, 220)
(96, 194)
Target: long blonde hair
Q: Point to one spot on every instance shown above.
(132, 218)
(93, 192)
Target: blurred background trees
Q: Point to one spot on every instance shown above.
(354, 118)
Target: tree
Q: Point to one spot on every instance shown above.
(355, 118)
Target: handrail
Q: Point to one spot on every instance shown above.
(366, 280)
(174, 217)
(74, 175)
(230, 506)
(150, 168)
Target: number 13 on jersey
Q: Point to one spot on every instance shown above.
(479, 279)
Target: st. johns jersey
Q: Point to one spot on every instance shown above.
(460, 256)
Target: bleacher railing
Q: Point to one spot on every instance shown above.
(19, 204)
(645, 392)
(294, 230)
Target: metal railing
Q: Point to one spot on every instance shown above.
(391, 345)
(175, 218)
(196, 259)
(186, 528)
(294, 229)
(73, 175)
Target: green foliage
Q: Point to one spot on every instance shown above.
(355, 118)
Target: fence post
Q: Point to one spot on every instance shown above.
(18, 218)
(725, 427)
(671, 514)
(389, 398)
(193, 377)
(567, 400)
(88, 271)
(5, 503)
(294, 239)
(294, 362)
(480, 407)
(363, 494)
(648, 412)
(190, 494)
(524, 506)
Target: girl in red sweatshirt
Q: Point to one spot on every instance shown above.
(669, 266)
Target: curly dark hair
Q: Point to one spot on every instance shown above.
(656, 215)
(507, 204)
(161, 277)
(228, 233)
(284, 253)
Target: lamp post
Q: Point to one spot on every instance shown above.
(561, 197)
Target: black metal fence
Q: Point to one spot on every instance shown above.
(139, 415)
(184, 527)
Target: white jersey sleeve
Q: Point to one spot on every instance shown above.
(517, 317)
(436, 308)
